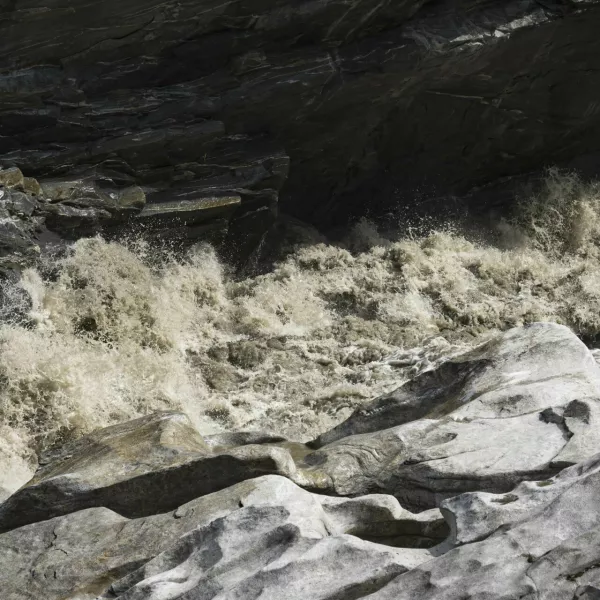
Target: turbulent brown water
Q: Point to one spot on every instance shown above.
(111, 333)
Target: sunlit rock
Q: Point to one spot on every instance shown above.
(520, 407)
(266, 532)
(139, 468)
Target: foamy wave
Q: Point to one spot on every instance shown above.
(111, 332)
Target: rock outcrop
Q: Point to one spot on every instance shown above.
(48, 214)
(500, 445)
(269, 537)
(523, 406)
(141, 467)
(265, 534)
(540, 542)
(131, 512)
(371, 102)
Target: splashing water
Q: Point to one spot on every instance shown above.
(112, 333)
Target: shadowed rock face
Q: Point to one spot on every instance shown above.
(370, 101)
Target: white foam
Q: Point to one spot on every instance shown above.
(116, 333)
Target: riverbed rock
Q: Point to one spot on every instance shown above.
(521, 407)
(267, 529)
(540, 542)
(141, 467)
(499, 445)
(380, 518)
(268, 538)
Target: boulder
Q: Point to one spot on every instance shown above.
(521, 407)
(503, 438)
(265, 532)
(139, 468)
(11, 178)
(541, 541)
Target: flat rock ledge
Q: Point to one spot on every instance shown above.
(53, 212)
(480, 480)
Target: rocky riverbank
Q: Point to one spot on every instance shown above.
(371, 105)
(477, 479)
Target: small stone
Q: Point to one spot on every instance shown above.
(11, 178)
(32, 186)
(132, 197)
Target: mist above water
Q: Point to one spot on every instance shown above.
(110, 332)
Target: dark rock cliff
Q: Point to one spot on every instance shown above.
(343, 106)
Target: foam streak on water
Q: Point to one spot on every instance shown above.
(112, 335)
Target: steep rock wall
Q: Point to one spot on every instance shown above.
(372, 102)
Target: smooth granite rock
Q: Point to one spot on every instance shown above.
(139, 468)
(504, 440)
(265, 529)
(521, 407)
(540, 542)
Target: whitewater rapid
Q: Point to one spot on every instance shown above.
(112, 331)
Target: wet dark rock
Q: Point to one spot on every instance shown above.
(398, 101)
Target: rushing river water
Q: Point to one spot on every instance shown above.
(109, 332)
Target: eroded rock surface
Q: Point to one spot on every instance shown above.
(151, 510)
(265, 532)
(540, 542)
(523, 406)
(142, 467)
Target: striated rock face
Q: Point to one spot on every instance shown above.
(150, 510)
(370, 102)
(46, 215)
(521, 407)
(139, 468)
(540, 541)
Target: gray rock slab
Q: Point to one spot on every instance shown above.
(521, 407)
(142, 467)
(263, 529)
(541, 541)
